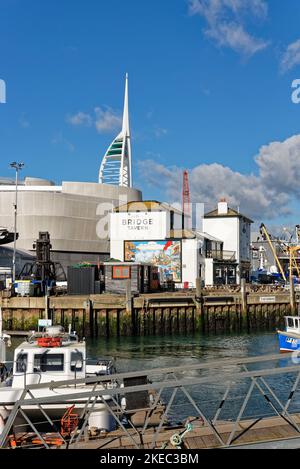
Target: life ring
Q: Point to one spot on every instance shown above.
(49, 341)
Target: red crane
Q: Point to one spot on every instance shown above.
(186, 199)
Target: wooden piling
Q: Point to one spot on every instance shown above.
(89, 313)
(200, 305)
(46, 306)
(244, 298)
(128, 297)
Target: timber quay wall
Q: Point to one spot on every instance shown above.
(110, 315)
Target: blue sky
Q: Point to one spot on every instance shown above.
(210, 85)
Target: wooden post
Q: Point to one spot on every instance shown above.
(128, 297)
(129, 307)
(292, 288)
(198, 290)
(89, 314)
(46, 305)
(199, 302)
(244, 297)
(292, 296)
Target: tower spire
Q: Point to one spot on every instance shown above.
(125, 126)
(116, 164)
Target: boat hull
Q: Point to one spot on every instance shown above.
(288, 342)
(100, 418)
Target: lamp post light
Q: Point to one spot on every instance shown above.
(17, 167)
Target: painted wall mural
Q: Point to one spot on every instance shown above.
(166, 255)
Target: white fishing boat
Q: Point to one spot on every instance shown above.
(52, 355)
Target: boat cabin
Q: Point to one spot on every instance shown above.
(47, 358)
(292, 324)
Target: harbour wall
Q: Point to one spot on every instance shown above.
(157, 314)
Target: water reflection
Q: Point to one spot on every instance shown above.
(136, 353)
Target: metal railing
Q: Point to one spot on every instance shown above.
(214, 389)
(221, 255)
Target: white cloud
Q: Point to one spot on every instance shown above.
(264, 195)
(81, 118)
(279, 165)
(104, 119)
(160, 132)
(107, 120)
(291, 57)
(233, 35)
(225, 26)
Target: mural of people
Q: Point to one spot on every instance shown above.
(166, 255)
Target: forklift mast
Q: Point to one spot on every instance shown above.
(43, 269)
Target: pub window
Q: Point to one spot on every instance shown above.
(120, 272)
(219, 273)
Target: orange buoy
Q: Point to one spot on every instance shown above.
(49, 440)
(49, 341)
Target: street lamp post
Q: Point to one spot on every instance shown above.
(17, 167)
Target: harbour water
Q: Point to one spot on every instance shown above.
(142, 353)
(159, 352)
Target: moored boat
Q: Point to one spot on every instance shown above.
(289, 340)
(54, 355)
